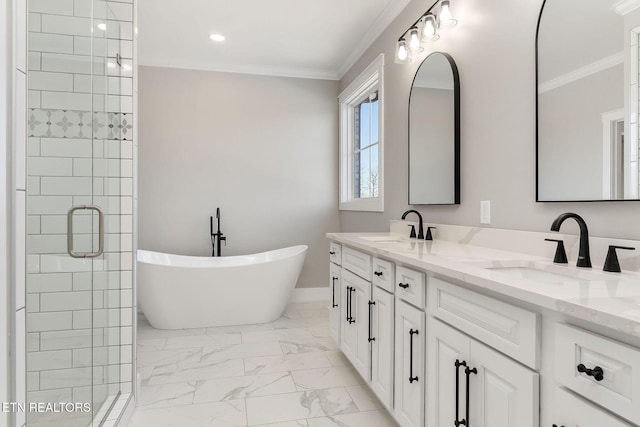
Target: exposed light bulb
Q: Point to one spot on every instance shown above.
(430, 28)
(402, 53)
(445, 14)
(102, 26)
(414, 40)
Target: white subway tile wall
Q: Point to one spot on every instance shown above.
(79, 150)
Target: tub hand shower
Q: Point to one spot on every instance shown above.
(217, 238)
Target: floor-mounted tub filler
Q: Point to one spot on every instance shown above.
(177, 292)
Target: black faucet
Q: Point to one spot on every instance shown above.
(420, 229)
(217, 238)
(584, 259)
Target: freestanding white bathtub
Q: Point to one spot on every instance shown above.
(177, 292)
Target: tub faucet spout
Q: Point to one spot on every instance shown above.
(584, 259)
(420, 228)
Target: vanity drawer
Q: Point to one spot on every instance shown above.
(572, 411)
(383, 274)
(357, 262)
(335, 253)
(619, 387)
(410, 286)
(507, 328)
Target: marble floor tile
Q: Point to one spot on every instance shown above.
(337, 358)
(314, 379)
(239, 328)
(202, 340)
(308, 345)
(364, 397)
(166, 395)
(294, 406)
(215, 414)
(287, 373)
(195, 370)
(243, 387)
(240, 350)
(297, 423)
(167, 357)
(358, 419)
(285, 363)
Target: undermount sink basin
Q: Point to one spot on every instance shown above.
(549, 273)
(382, 239)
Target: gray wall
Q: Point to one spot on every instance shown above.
(570, 118)
(263, 149)
(494, 47)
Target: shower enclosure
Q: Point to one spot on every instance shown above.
(80, 210)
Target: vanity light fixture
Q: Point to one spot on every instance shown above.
(102, 26)
(216, 37)
(424, 30)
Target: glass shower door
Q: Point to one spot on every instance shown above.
(74, 207)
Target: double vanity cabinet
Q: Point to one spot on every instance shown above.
(439, 353)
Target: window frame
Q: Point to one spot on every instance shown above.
(371, 79)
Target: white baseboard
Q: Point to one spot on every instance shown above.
(309, 294)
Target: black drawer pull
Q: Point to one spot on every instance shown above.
(333, 293)
(378, 273)
(331, 253)
(411, 334)
(403, 285)
(597, 373)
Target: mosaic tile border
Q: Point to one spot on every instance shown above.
(79, 124)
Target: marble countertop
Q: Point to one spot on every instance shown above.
(607, 299)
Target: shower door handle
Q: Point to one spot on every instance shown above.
(70, 250)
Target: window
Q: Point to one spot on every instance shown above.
(361, 141)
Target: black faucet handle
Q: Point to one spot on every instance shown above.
(413, 230)
(561, 255)
(429, 236)
(611, 264)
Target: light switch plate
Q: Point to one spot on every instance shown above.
(485, 212)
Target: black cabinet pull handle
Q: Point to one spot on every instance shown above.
(597, 373)
(412, 332)
(378, 273)
(351, 319)
(371, 304)
(332, 253)
(458, 422)
(556, 425)
(347, 304)
(333, 292)
(468, 373)
(403, 285)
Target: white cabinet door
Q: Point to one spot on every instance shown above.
(335, 314)
(360, 315)
(572, 411)
(503, 392)
(409, 382)
(355, 326)
(348, 331)
(381, 309)
(447, 380)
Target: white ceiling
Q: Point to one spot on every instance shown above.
(312, 39)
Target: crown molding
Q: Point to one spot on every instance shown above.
(378, 26)
(300, 73)
(582, 72)
(626, 6)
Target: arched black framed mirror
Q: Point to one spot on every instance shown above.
(434, 132)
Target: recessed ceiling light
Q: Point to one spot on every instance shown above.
(102, 26)
(217, 37)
